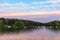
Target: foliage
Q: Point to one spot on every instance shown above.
(14, 25)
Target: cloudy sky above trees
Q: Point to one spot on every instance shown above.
(29, 7)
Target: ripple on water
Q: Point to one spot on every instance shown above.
(38, 34)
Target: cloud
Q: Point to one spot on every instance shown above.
(48, 1)
(49, 5)
(30, 13)
(13, 7)
(9, 4)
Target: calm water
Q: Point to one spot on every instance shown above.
(36, 34)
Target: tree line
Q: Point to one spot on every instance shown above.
(7, 25)
(16, 25)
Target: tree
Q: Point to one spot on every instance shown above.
(18, 25)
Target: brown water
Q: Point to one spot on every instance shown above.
(38, 34)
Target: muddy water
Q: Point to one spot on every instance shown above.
(38, 34)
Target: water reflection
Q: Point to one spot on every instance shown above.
(54, 28)
(37, 33)
(50, 28)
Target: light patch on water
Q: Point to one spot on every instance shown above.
(38, 34)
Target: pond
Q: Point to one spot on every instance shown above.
(35, 34)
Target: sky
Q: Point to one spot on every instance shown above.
(29, 7)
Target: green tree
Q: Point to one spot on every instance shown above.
(18, 25)
(1, 25)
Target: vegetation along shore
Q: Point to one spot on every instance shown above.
(16, 25)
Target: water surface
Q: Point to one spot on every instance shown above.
(36, 34)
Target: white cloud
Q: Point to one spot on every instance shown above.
(16, 4)
(13, 7)
(53, 2)
(49, 1)
(40, 2)
(50, 4)
(35, 6)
